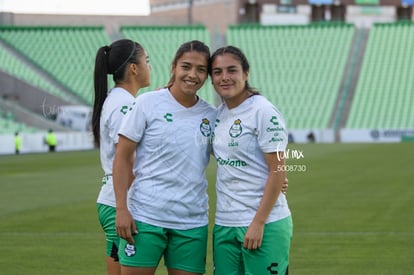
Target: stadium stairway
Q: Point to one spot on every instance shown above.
(349, 80)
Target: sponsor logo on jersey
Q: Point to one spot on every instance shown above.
(275, 130)
(231, 162)
(236, 129)
(233, 143)
(276, 139)
(205, 127)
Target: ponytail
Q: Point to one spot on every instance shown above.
(101, 90)
(112, 60)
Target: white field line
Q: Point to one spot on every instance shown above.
(51, 234)
(295, 233)
(354, 233)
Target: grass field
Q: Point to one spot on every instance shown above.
(353, 211)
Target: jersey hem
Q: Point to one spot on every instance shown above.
(170, 225)
(245, 224)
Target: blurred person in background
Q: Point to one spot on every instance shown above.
(128, 63)
(17, 143)
(51, 140)
(253, 224)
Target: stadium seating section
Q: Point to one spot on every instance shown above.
(66, 53)
(299, 68)
(384, 97)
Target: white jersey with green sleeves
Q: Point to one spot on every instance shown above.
(241, 137)
(116, 105)
(174, 145)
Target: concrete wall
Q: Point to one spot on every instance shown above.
(34, 143)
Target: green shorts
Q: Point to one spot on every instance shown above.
(106, 215)
(231, 258)
(182, 249)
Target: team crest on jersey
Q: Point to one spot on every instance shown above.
(129, 250)
(236, 129)
(205, 127)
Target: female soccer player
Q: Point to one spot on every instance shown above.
(170, 131)
(128, 63)
(253, 225)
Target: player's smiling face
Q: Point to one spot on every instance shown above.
(228, 77)
(190, 72)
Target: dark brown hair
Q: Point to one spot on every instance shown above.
(194, 45)
(112, 60)
(239, 55)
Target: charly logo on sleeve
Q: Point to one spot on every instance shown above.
(274, 121)
(205, 127)
(124, 109)
(276, 129)
(236, 129)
